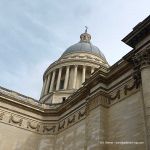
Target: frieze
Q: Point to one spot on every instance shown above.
(49, 129)
(108, 98)
(39, 126)
(71, 120)
(15, 120)
(81, 114)
(1, 115)
(34, 126)
(114, 97)
(129, 88)
(96, 101)
(61, 125)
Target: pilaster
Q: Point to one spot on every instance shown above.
(141, 62)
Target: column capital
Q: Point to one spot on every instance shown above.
(68, 66)
(76, 66)
(84, 66)
(140, 60)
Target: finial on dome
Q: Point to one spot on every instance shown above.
(86, 28)
(85, 37)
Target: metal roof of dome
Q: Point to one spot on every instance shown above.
(84, 46)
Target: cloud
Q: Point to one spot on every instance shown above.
(26, 80)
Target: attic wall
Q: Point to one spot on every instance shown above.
(126, 123)
(72, 138)
(96, 129)
(84, 135)
(13, 138)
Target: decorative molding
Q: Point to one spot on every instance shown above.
(34, 126)
(49, 129)
(61, 125)
(92, 103)
(1, 115)
(15, 120)
(18, 96)
(81, 114)
(129, 88)
(40, 127)
(71, 120)
(114, 97)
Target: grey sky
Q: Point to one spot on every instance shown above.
(34, 33)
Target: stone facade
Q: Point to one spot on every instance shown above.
(107, 111)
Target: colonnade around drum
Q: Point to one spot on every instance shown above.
(66, 78)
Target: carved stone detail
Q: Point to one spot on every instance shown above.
(16, 120)
(139, 60)
(61, 125)
(96, 101)
(117, 96)
(129, 88)
(49, 129)
(71, 120)
(81, 114)
(34, 126)
(1, 115)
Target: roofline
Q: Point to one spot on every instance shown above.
(138, 33)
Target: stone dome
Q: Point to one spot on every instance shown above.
(84, 46)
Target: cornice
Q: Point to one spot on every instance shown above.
(113, 73)
(26, 103)
(139, 32)
(138, 60)
(54, 65)
(131, 54)
(79, 52)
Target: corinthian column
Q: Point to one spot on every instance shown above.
(52, 81)
(66, 77)
(83, 73)
(58, 80)
(75, 76)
